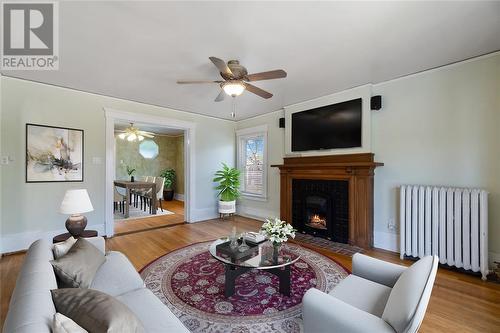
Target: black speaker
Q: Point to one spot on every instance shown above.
(376, 102)
(282, 122)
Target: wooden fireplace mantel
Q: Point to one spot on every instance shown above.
(358, 169)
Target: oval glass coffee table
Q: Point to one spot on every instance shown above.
(259, 256)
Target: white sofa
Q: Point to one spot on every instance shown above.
(377, 297)
(31, 308)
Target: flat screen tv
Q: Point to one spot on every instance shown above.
(327, 127)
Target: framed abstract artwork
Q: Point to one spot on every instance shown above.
(53, 154)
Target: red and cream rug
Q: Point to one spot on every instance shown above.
(191, 283)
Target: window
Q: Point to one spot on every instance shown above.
(148, 149)
(252, 161)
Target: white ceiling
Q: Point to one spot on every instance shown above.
(159, 130)
(137, 50)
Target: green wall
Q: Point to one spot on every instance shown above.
(170, 155)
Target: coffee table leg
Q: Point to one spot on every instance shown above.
(284, 277)
(231, 275)
(285, 281)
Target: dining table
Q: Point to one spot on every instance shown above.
(137, 185)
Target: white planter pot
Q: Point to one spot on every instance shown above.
(227, 207)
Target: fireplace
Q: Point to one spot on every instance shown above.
(330, 196)
(321, 208)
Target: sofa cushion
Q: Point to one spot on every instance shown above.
(116, 275)
(154, 315)
(77, 268)
(96, 311)
(363, 294)
(406, 294)
(63, 324)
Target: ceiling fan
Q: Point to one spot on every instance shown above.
(132, 133)
(236, 79)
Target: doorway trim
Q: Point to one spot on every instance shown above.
(111, 116)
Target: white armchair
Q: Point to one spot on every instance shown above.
(377, 297)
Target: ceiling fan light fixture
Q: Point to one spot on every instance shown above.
(233, 88)
(133, 134)
(132, 137)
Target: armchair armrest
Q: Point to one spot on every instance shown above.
(376, 270)
(98, 242)
(323, 313)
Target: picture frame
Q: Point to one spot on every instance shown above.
(54, 154)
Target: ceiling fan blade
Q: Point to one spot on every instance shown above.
(146, 132)
(198, 81)
(221, 66)
(276, 74)
(257, 91)
(220, 97)
(147, 135)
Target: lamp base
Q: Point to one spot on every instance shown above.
(76, 224)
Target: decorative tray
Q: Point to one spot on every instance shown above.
(235, 254)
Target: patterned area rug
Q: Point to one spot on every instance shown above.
(340, 248)
(191, 283)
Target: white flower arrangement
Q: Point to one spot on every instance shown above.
(278, 231)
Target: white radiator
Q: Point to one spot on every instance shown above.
(449, 222)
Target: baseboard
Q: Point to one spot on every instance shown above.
(203, 214)
(492, 257)
(21, 241)
(179, 196)
(386, 240)
(255, 213)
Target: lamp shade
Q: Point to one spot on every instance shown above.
(76, 202)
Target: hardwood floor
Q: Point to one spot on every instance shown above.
(459, 302)
(153, 222)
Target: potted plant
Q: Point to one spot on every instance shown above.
(130, 172)
(229, 184)
(169, 181)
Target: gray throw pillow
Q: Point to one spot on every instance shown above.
(96, 311)
(77, 268)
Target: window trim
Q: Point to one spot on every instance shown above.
(244, 134)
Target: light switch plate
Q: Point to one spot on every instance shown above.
(4, 160)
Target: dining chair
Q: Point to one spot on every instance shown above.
(159, 181)
(144, 194)
(119, 200)
(135, 193)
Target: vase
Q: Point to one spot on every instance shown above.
(276, 252)
(233, 245)
(132, 179)
(243, 246)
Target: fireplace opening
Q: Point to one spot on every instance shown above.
(321, 208)
(316, 211)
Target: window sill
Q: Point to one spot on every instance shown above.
(247, 196)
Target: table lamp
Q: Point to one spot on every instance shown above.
(75, 203)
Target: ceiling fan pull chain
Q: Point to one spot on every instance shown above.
(233, 113)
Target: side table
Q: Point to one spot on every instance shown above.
(63, 237)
